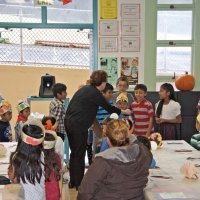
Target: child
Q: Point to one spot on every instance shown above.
(24, 111)
(168, 112)
(27, 162)
(6, 116)
(142, 112)
(145, 141)
(122, 103)
(52, 166)
(108, 94)
(51, 124)
(121, 172)
(102, 114)
(123, 85)
(57, 108)
(195, 140)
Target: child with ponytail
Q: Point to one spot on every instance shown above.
(27, 162)
(168, 113)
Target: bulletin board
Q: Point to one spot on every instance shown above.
(121, 39)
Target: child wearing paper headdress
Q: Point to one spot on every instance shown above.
(23, 109)
(51, 124)
(195, 140)
(122, 103)
(6, 116)
(27, 163)
(52, 163)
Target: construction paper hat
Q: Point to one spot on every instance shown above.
(22, 104)
(122, 97)
(5, 107)
(30, 139)
(50, 144)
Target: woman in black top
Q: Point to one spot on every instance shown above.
(80, 115)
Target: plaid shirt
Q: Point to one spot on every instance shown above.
(57, 109)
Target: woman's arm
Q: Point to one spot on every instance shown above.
(93, 179)
(99, 99)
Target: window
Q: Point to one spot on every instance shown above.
(175, 1)
(78, 11)
(174, 37)
(19, 11)
(46, 47)
(59, 36)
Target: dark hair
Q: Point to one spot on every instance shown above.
(33, 131)
(108, 87)
(122, 78)
(27, 159)
(50, 161)
(98, 77)
(141, 87)
(58, 88)
(24, 110)
(145, 141)
(169, 88)
(46, 118)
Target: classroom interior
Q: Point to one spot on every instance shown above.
(69, 39)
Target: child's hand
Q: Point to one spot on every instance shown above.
(158, 120)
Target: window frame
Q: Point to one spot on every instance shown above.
(176, 43)
(45, 25)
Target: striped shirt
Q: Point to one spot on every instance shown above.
(142, 112)
(102, 114)
(195, 141)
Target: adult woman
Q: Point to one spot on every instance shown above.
(80, 116)
(120, 172)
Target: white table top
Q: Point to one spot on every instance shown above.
(170, 162)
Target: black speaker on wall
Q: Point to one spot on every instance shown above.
(47, 83)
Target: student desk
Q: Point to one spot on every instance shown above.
(170, 162)
(66, 143)
(11, 191)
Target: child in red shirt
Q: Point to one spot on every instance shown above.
(142, 112)
(52, 166)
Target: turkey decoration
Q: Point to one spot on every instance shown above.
(66, 1)
(185, 82)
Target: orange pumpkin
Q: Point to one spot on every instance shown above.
(185, 82)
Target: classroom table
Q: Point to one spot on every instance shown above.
(177, 187)
(11, 191)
